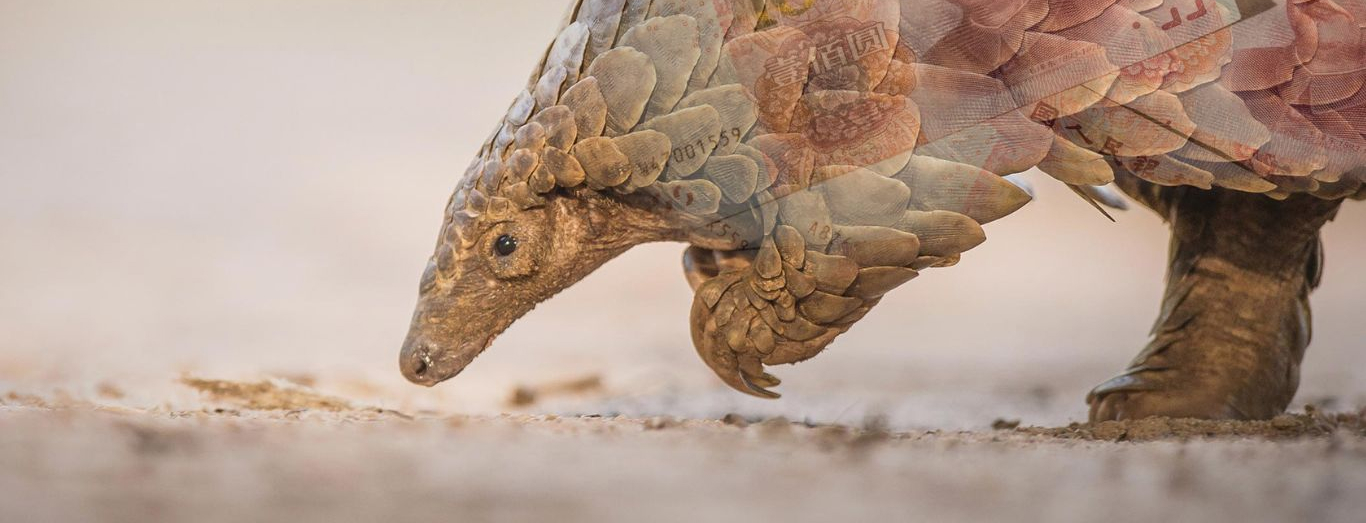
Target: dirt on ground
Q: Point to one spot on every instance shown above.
(278, 450)
(267, 395)
(1311, 423)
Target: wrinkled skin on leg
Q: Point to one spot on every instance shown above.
(1235, 320)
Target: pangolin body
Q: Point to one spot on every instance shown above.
(820, 153)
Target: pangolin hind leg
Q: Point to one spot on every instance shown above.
(1235, 320)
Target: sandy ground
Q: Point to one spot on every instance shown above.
(275, 451)
(195, 191)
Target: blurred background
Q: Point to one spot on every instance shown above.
(250, 189)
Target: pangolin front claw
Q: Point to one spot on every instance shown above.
(756, 390)
(756, 380)
(782, 305)
(720, 343)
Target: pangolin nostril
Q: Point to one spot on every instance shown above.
(420, 368)
(417, 362)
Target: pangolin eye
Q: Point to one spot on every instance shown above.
(505, 245)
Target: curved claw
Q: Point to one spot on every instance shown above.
(756, 390)
(1126, 381)
(755, 379)
(711, 343)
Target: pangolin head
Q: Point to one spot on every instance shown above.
(573, 176)
(503, 249)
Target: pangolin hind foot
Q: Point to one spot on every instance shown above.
(1235, 321)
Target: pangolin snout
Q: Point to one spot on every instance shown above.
(429, 363)
(415, 360)
(445, 336)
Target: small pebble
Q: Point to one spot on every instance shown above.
(1005, 424)
(660, 423)
(735, 420)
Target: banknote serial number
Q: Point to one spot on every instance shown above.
(705, 146)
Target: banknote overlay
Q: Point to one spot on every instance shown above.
(818, 154)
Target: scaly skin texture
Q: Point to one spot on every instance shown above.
(1235, 321)
(818, 154)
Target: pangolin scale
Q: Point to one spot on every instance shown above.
(817, 154)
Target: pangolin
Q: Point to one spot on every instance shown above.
(817, 154)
